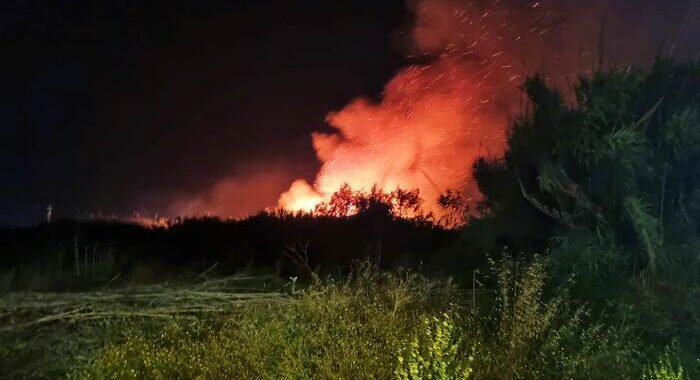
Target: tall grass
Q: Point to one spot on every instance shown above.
(85, 267)
(376, 325)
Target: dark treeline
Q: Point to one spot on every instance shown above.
(289, 244)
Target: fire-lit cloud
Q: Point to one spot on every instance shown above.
(421, 135)
(434, 119)
(252, 189)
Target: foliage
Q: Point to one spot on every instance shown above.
(346, 202)
(335, 330)
(43, 257)
(664, 370)
(622, 161)
(605, 181)
(435, 352)
(533, 335)
(383, 325)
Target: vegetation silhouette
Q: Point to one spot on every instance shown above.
(387, 228)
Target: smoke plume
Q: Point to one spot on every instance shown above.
(435, 118)
(252, 188)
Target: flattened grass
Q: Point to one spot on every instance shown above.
(44, 335)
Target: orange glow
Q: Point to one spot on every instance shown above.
(433, 120)
(424, 134)
(300, 197)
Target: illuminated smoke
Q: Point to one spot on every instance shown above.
(432, 120)
(252, 188)
(435, 119)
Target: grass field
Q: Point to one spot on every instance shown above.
(43, 335)
(367, 325)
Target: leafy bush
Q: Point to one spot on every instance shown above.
(607, 180)
(664, 370)
(621, 160)
(533, 335)
(437, 352)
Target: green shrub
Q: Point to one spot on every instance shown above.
(436, 352)
(664, 370)
(608, 182)
(534, 335)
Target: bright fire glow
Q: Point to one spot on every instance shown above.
(300, 197)
(424, 134)
(435, 119)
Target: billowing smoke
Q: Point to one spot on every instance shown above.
(252, 188)
(434, 119)
(422, 135)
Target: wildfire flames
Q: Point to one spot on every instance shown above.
(422, 135)
(435, 118)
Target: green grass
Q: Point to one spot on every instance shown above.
(368, 325)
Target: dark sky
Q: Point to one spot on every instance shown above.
(119, 105)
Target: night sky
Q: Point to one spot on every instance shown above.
(119, 106)
(122, 106)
